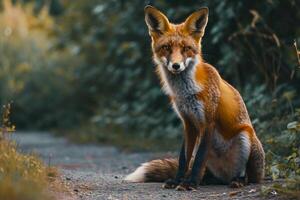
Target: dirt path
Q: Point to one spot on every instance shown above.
(97, 172)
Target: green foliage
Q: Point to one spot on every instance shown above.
(96, 61)
(242, 40)
(277, 123)
(118, 75)
(289, 189)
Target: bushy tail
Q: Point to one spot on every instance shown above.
(154, 171)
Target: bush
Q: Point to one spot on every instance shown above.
(39, 79)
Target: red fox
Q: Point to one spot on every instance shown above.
(220, 144)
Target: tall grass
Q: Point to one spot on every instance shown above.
(21, 176)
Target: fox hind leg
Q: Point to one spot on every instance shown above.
(228, 159)
(256, 163)
(243, 148)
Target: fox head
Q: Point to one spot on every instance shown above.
(176, 47)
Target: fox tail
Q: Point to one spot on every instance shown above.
(154, 171)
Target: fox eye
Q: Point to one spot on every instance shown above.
(166, 47)
(187, 48)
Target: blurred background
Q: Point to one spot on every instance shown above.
(84, 69)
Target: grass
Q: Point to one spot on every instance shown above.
(289, 189)
(22, 176)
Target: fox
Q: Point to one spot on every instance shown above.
(219, 145)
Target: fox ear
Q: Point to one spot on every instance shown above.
(195, 24)
(157, 22)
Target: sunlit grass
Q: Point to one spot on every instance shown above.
(22, 176)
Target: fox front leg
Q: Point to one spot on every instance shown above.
(191, 182)
(172, 183)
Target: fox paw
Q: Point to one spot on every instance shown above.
(187, 185)
(170, 184)
(237, 183)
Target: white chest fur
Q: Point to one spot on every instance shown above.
(184, 89)
(190, 107)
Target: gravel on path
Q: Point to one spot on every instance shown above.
(97, 172)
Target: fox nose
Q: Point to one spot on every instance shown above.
(176, 66)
